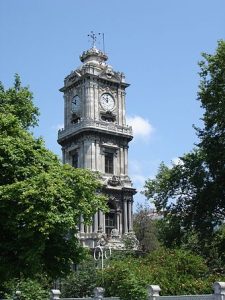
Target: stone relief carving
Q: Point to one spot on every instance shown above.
(102, 238)
(115, 234)
(114, 181)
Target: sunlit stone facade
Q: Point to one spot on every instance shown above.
(96, 137)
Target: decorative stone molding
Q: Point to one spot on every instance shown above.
(101, 125)
(93, 52)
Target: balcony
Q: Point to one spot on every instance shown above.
(87, 124)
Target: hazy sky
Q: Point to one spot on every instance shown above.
(156, 43)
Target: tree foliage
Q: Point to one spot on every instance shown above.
(82, 282)
(145, 228)
(18, 101)
(29, 289)
(41, 200)
(177, 272)
(192, 192)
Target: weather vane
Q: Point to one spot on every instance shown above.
(93, 37)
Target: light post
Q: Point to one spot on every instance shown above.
(101, 253)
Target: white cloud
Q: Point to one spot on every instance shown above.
(139, 179)
(177, 161)
(137, 175)
(135, 166)
(141, 127)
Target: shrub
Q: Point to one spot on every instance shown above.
(30, 289)
(82, 282)
(175, 271)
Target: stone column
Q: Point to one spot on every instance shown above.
(102, 157)
(132, 214)
(126, 160)
(96, 222)
(63, 155)
(87, 154)
(121, 161)
(125, 216)
(100, 216)
(81, 158)
(92, 104)
(115, 164)
(93, 155)
(118, 221)
(88, 101)
(103, 222)
(96, 102)
(81, 224)
(98, 158)
(123, 93)
(91, 226)
(129, 216)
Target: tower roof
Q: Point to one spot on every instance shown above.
(93, 55)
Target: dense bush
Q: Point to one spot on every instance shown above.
(30, 289)
(175, 271)
(82, 282)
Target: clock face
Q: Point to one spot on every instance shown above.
(75, 103)
(107, 102)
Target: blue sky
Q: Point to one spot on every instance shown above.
(156, 43)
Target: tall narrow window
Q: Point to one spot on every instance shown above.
(109, 222)
(109, 163)
(75, 160)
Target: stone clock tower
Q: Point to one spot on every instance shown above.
(96, 137)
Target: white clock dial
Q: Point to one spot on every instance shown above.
(107, 102)
(75, 104)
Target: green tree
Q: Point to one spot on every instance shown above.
(145, 228)
(82, 282)
(41, 199)
(192, 193)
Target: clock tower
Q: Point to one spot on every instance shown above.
(96, 137)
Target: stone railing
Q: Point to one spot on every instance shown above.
(98, 295)
(218, 287)
(153, 294)
(101, 125)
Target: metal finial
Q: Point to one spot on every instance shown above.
(92, 35)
